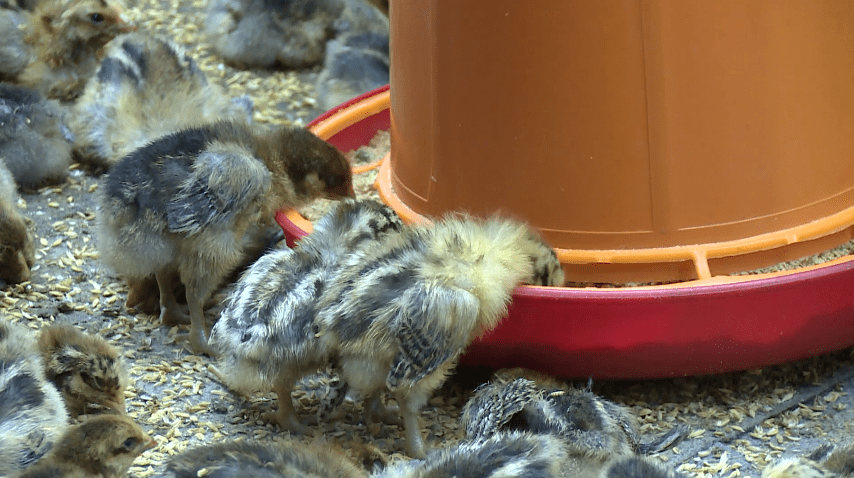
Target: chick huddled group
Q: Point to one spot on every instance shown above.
(48, 385)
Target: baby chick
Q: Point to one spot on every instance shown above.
(503, 455)
(267, 33)
(828, 461)
(146, 87)
(17, 253)
(576, 415)
(63, 45)
(519, 399)
(102, 446)
(524, 455)
(355, 64)
(34, 140)
(273, 303)
(32, 415)
(396, 316)
(279, 460)
(182, 204)
(86, 369)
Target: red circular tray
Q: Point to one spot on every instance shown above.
(694, 328)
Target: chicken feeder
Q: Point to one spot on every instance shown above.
(650, 142)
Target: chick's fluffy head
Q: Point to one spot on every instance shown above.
(86, 369)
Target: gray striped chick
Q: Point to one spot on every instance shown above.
(87, 370)
(401, 311)
(271, 33)
(518, 399)
(269, 460)
(146, 87)
(32, 414)
(828, 461)
(102, 446)
(17, 252)
(34, 139)
(520, 454)
(273, 305)
(180, 207)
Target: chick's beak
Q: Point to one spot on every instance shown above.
(151, 443)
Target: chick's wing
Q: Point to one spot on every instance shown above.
(432, 331)
(224, 180)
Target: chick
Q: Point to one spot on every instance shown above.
(397, 315)
(525, 455)
(17, 253)
(273, 303)
(519, 399)
(576, 415)
(32, 414)
(279, 460)
(146, 87)
(102, 446)
(86, 369)
(182, 204)
(638, 467)
(34, 139)
(62, 46)
(268, 33)
(355, 64)
(828, 461)
(503, 455)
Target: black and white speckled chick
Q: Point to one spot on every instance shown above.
(524, 455)
(269, 460)
(503, 455)
(102, 446)
(32, 414)
(17, 253)
(34, 139)
(519, 399)
(184, 202)
(828, 461)
(272, 307)
(577, 415)
(401, 311)
(268, 33)
(87, 370)
(146, 87)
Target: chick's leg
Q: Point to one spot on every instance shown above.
(375, 410)
(287, 416)
(410, 406)
(198, 334)
(170, 313)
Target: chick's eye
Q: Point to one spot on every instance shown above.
(129, 445)
(95, 382)
(333, 181)
(96, 17)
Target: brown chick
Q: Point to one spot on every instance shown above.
(86, 369)
(397, 315)
(274, 460)
(64, 42)
(146, 87)
(183, 203)
(102, 446)
(17, 253)
(32, 414)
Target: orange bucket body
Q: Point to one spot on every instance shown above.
(650, 140)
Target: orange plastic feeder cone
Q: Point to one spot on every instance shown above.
(649, 140)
